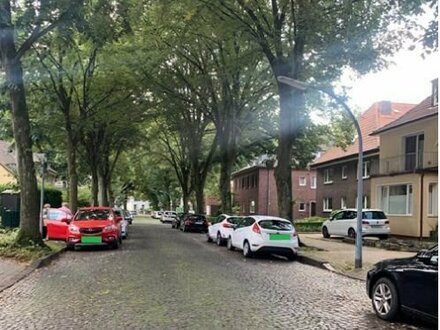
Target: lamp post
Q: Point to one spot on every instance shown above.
(302, 86)
(43, 174)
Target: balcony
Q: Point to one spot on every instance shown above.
(408, 163)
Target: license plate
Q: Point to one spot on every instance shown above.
(279, 237)
(91, 239)
(199, 222)
(376, 226)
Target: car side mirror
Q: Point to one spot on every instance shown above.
(424, 255)
(331, 218)
(118, 219)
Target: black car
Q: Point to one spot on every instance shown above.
(409, 285)
(194, 222)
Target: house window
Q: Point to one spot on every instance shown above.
(366, 169)
(327, 204)
(302, 181)
(313, 182)
(343, 203)
(328, 176)
(252, 207)
(302, 207)
(396, 199)
(414, 146)
(344, 172)
(365, 202)
(433, 199)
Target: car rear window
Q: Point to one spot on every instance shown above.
(373, 215)
(197, 217)
(234, 220)
(275, 224)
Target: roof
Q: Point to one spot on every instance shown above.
(6, 156)
(372, 119)
(422, 110)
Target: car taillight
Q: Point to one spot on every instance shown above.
(294, 234)
(256, 228)
(188, 222)
(228, 225)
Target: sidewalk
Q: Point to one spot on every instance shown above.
(339, 256)
(11, 272)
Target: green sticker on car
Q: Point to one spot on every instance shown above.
(279, 237)
(91, 239)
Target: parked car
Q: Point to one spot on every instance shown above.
(344, 223)
(133, 212)
(128, 216)
(55, 224)
(194, 222)
(266, 234)
(95, 226)
(222, 228)
(405, 285)
(178, 220)
(168, 216)
(157, 214)
(124, 222)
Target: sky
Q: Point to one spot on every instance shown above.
(407, 81)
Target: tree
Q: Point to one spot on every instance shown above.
(315, 41)
(32, 20)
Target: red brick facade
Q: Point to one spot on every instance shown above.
(255, 192)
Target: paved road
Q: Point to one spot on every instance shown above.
(162, 278)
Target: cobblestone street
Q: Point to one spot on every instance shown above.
(162, 278)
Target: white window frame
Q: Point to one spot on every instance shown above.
(366, 169)
(364, 202)
(325, 204)
(313, 182)
(303, 209)
(344, 172)
(433, 199)
(327, 179)
(343, 203)
(302, 181)
(252, 207)
(409, 199)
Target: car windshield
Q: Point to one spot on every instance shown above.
(275, 224)
(93, 215)
(373, 215)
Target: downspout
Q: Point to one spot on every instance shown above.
(421, 206)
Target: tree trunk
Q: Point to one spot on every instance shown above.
(73, 175)
(200, 198)
(228, 153)
(185, 199)
(29, 208)
(291, 122)
(95, 186)
(102, 194)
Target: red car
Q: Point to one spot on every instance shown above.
(55, 224)
(94, 226)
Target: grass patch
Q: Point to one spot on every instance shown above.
(24, 254)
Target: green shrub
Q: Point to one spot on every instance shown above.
(52, 196)
(308, 226)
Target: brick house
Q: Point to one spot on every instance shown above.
(406, 186)
(255, 192)
(337, 168)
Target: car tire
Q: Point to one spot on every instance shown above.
(208, 238)
(291, 256)
(44, 233)
(325, 233)
(115, 245)
(184, 229)
(229, 244)
(385, 299)
(70, 247)
(351, 233)
(247, 253)
(219, 240)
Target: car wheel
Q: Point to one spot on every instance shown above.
(44, 234)
(351, 233)
(229, 244)
(325, 233)
(70, 247)
(247, 253)
(208, 238)
(115, 245)
(291, 256)
(184, 229)
(385, 299)
(219, 240)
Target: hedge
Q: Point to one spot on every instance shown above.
(52, 196)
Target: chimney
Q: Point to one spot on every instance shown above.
(434, 94)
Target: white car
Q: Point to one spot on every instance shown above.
(344, 223)
(262, 233)
(222, 228)
(157, 214)
(168, 216)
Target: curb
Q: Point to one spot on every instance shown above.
(42, 262)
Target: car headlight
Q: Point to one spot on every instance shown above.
(73, 229)
(109, 228)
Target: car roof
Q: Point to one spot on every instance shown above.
(95, 208)
(363, 210)
(264, 217)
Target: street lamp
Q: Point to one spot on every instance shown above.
(302, 86)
